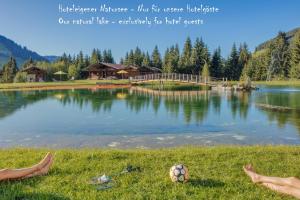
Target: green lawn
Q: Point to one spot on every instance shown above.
(279, 83)
(62, 83)
(93, 82)
(216, 173)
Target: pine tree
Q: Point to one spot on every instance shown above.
(257, 66)
(167, 63)
(146, 61)
(185, 60)
(173, 59)
(105, 56)
(28, 63)
(9, 71)
(205, 72)
(126, 59)
(231, 68)
(130, 60)
(156, 58)
(108, 57)
(244, 56)
(295, 57)
(99, 55)
(280, 58)
(216, 64)
(176, 57)
(87, 61)
(199, 56)
(64, 58)
(138, 57)
(80, 61)
(94, 57)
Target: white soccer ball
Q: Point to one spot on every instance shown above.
(179, 173)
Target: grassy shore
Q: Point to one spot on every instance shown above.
(20, 86)
(279, 83)
(216, 173)
(62, 83)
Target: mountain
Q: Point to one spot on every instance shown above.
(289, 34)
(21, 54)
(51, 58)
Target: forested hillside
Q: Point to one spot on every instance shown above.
(21, 54)
(276, 59)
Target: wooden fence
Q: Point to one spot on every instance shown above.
(176, 77)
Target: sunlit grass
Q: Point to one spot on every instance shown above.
(216, 173)
(60, 83)
(279, 83)
(125, 81)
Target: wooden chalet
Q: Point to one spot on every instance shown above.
(35, 74)
(149, 70)
(117, 71)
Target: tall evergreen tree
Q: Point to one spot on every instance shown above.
(280, 58)
(257, 66)
(199, 56)
(295, 57)
(173, 59)
(146, 61)
(244, 57)
(9, 71)
(231, 67)
(138, 57)
(87, 61)
(156, 58)
(107, 56)
(80, 61)
(185, 59)
(130, 60)
(99, 55)
(167, 62)
(122, 61)
(216, 64)
(28, 63)
(95, 57)
(125, 60)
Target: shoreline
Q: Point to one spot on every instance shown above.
(66, 87)
(106, 84)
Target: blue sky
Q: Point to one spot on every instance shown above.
(34, 23)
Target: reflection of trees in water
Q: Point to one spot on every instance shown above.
(100, 100)
(11, 101)
(239, 103)
(284, 99)
(194, 105)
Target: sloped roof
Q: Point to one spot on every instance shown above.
(33, 69)
(101, 65)
(154, 69)
(115, 66)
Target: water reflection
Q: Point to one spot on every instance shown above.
(193, 106)
(282, 105)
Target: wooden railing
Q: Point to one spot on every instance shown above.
(188, 78)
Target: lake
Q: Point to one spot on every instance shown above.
(148, 118)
